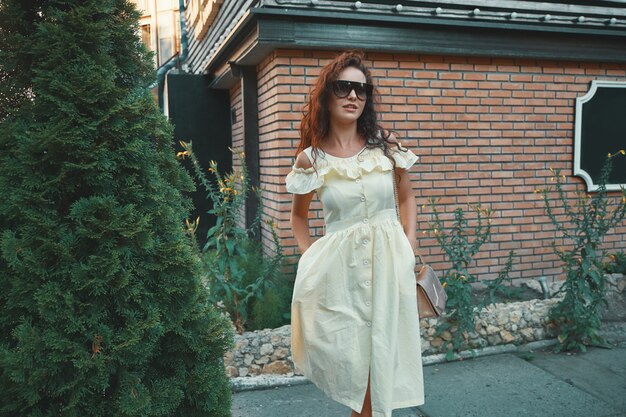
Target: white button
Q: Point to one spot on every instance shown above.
(365, 262)
(368, 324)
(367, 303)
(367, 283)
(362, 198)
(357, 180)
(365, 220)
(365, 241)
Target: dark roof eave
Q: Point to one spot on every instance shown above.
(272, 27)
(376, 19)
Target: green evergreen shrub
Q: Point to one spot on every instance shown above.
(102, 311)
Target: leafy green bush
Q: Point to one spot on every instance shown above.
(578, 315)
(268, 310)
(241, 277)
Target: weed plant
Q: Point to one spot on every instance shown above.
(617, 264)
(497, 287)
(587, 219)
(242, 279)
(460, 243)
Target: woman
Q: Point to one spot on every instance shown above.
(355, 330)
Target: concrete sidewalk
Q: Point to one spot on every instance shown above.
(539, 384)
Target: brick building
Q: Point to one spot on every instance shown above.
(485, 92)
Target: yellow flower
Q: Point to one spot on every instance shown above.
(609, 154)
(192, 226)
(182, 154)
(622, 152)
(444, 285)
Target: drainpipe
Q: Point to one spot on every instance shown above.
(161, 72)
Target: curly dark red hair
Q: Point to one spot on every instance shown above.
(316, 120)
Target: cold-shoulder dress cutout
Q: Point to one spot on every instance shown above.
(354, 306)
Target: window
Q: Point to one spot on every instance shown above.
(600, 129)
(166, 36)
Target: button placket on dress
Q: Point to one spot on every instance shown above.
(367, 258)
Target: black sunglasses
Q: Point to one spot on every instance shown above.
(343, 88)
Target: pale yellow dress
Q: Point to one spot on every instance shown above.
(354, 306)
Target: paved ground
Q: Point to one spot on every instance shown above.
(539, 384)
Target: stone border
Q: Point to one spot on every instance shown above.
(613, 332)
(240, 384)
(266, 356)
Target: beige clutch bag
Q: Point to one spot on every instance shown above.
(431, 296)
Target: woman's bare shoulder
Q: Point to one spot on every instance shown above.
(303, 161)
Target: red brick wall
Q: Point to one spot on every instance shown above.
(487, 130)
(237, 131)
(237, 126)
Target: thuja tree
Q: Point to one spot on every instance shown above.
(102, 311)
(586, 220)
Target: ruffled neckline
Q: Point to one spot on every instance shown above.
(305, 180)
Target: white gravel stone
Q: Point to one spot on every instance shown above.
(266, 349)
(248, 358)
(262, 360)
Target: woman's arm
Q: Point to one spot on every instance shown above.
(408, 207)
(406, 200)
(300, 210)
